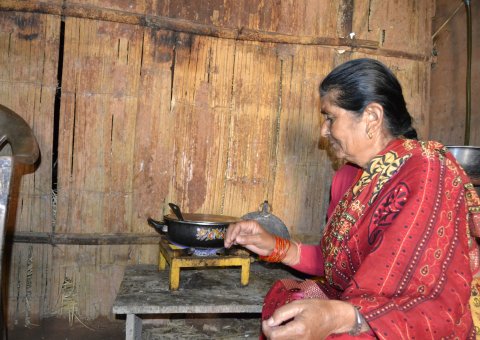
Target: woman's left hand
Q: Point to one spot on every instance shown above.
(309, 319)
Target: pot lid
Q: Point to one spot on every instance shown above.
(269, 221)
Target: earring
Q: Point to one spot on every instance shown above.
(369, 134)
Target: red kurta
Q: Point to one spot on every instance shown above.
(397, 245)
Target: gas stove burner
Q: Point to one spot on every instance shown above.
(179, 250)
(201, 252)
(204, 251)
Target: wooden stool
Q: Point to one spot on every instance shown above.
(177, 259)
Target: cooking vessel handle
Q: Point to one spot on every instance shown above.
(159, 226)
(177, 211)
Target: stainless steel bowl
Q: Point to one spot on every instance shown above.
(469, 158)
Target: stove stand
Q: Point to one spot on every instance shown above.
(178, 258)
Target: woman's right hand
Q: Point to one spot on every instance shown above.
(310, 319)
(250, 235)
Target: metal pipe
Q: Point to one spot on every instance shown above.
(468, 114)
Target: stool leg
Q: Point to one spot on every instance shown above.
(162, 262)
(174, 275)
(245, 272)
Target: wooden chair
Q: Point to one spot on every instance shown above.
(16, 132)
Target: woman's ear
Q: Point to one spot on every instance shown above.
(374, 118)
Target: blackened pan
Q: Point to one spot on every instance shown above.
(469, 158)
(196, 230)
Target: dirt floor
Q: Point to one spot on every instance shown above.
(59, 329)
(203, 327)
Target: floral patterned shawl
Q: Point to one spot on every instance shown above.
(399, 246)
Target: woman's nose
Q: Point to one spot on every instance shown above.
(324, 129)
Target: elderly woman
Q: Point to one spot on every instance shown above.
(397, 256)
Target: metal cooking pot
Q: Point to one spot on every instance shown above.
(196, 230)
(469, 158)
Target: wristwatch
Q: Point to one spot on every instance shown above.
(357, 327)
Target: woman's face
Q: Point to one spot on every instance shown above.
(346, 132)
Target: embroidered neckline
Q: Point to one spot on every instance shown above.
(384, 166)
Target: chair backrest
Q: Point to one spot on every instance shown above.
(15, 131)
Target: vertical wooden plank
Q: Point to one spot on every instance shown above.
(302, 182)
(253, 126)
(202, 88)
(449, 74)
(220, 62)
(98, 125)
(402, 26)
(96, 157)
(153, 156)
(28, 81)
(30, 91)
(413, 76)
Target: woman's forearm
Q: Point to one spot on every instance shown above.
(307, 258)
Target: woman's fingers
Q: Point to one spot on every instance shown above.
(285, 313)
(250, 235)
(231, 235)
(290, 330)
(285, 323)
(234, 230)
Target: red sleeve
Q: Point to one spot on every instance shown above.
(311, 260)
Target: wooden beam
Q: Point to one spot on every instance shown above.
(83, 239)
(188, 26)
(178, 25)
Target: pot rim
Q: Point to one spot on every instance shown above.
(463, 147)
(202, 219)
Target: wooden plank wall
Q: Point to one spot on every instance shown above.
(28, 72)
(152, 111)
(448, 104)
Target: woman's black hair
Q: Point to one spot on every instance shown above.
(360, 82)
